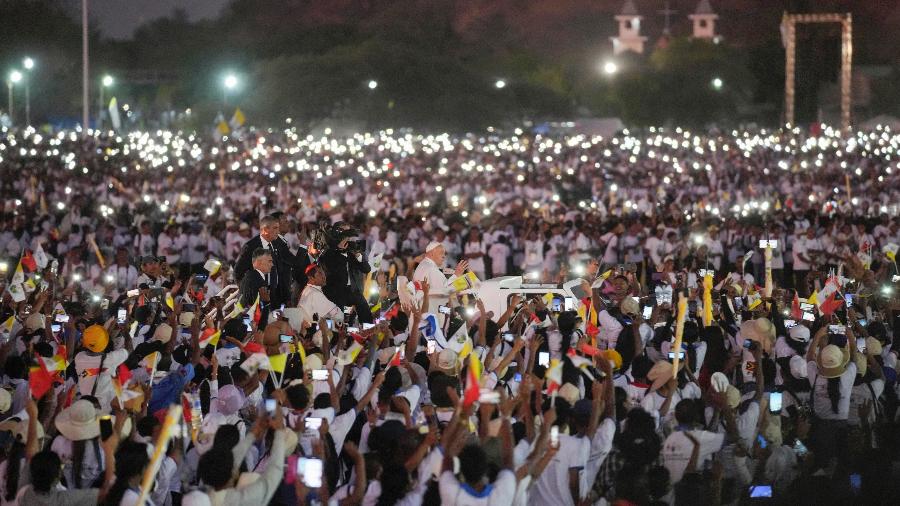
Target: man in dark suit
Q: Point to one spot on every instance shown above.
(341, 264)
(258, 282)
(282, 260)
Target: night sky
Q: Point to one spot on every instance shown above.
(119, 18)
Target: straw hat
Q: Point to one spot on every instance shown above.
(760, 330)
(629, 307)
(35, 321)
(873, 347)
(79, 421)
(448, 362)
(5, 400)
(570, 393)
(832, 361)
(659, 374)
(163, 333)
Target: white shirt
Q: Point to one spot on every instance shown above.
(501, 491)
(87, 365)
(552, 487)
(439, 286)
(819, 399)
(313, 301)
(677, 450)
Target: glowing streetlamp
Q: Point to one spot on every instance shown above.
(610, 67)
(14, 78)
(105, 82)
(229, 83)
(372, 84)
(717, 83)
(28, 63)
(500, 84)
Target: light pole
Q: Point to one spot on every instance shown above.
(105, 82)
(14, 77)
(229, 83)
(28, 63)
(85, 82)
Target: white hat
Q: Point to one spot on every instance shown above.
(195, 498)
(719, 382)
(5, 400)
(79, 421)
(432, 245)
(799, 333)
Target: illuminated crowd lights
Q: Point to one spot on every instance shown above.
(474, 172)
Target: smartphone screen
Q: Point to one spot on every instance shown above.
(270, 406)
(775, 402)
(443, 309)
(855, 483)
(517, 377)
(55, 328)
(554, 436)
(133, 293)
(330, 324)
(762, 441)
(508, 337)
(760, 491)
(311, 471)
(367, 326)
(62, 318)
(320, 374)
(790, 324)
(285, 338)
(544, 358)
(121, 316)
(431, 347)
(648, 312)
(672, 355)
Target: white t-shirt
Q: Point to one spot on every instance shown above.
(87, 367)
(601, 444)
(860, 394)
(819, 399)
(475, 264)
(501, 491)
(552, 487)
(677, 450)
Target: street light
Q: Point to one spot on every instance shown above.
(28, 63)
(500, 84)
(610, 67)
(14, 77)
(372, 84)
(717, 83)
(105, 82)
(229, 82)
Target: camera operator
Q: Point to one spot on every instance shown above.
(343, 260)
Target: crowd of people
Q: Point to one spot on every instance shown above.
(279, 318)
